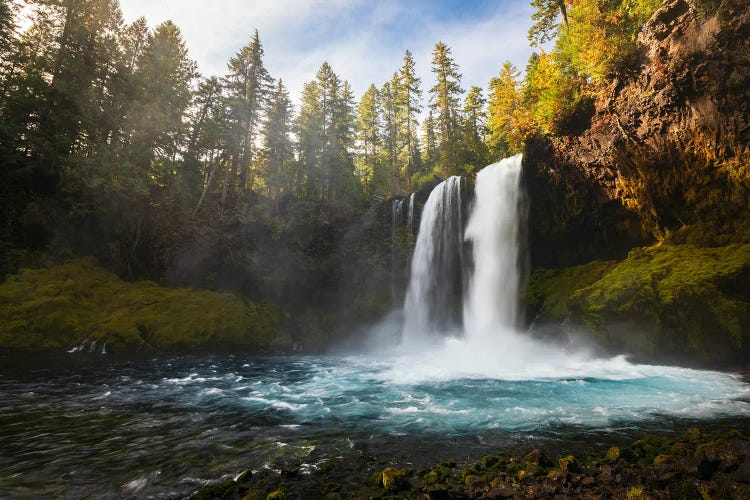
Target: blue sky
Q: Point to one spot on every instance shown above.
(363, 40)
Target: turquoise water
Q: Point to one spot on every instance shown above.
(167, 426)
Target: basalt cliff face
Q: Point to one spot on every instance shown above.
(665, 161)
(668, 146)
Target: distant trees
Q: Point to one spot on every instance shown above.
(326, 128)
(112, 119)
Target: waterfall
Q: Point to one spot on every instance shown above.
(433, 297)
(491, 303)
(439, 284)
(397, 208)
(410, 217)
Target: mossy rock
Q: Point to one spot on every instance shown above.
(60, 306)
(568, 464)
(549, 290)
(276, 495)
(395, 480)
(665, 300)
(613, 454)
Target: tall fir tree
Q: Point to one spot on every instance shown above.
(445, 96)
(155, 122)
(430, 151)
(280, 171)
(408, 101)
(369, 141)
(309, 132)
(473, 130)
(248, 85)
(389, 133)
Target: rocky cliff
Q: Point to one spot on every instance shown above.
(668, 146)
(665, 162)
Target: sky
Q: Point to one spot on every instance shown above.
(363, 40)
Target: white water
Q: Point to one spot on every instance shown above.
(436, 266)
(491, 305)
(489, 343)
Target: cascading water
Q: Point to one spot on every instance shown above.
(491, 303)
(410, 219)
(397, 209)
(434, 292)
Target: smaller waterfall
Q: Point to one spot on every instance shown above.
(397, 210)
(433, 298)
(410, 217)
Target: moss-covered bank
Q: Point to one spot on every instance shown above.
(690, 465)
(63, 305)
(677, 301)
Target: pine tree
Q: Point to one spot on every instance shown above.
(278, 154)
(473, 130)
(445, 101)
(545, 20)
(309, 136)
(345, 121)
(369, 141)
(389, 134)
(203, 156)
(7, 26)
(164, 78)
(248, 86)
(408, 101)
(430, 153)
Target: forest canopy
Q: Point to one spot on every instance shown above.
(99, 117)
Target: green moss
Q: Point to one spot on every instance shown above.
(678, 299)
(693, 296)
(549, 289)
(62, 305)
(613, 454)
(395, 479)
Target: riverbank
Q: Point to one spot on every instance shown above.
(81, 307)
(689, 465)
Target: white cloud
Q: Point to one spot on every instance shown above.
(364, 41)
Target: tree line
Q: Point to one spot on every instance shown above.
(103, 115)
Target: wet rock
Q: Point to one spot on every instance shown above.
(569, 464)
(613, 454)
(537, 457)
(394, 479)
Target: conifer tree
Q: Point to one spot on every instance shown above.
(248, 85)
(369, 141)
(309, 129)
(473, 130)
(155, 119)
(408, 101)
(278, 154)
(545, 20)
(445, 101)
(430, 152)
(389, 134)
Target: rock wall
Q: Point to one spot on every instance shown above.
(668, 146)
